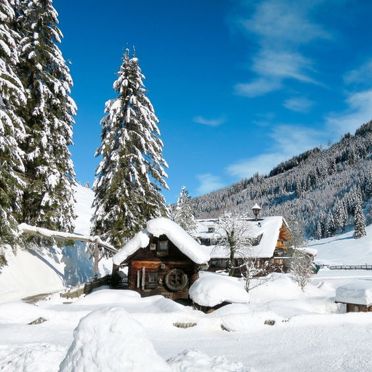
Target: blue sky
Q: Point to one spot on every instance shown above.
(238, 86)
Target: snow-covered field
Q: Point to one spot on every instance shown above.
(344, 249)
(116, 330)
(127, 333)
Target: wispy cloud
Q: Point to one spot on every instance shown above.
(208, 183)
(360, 75)
(359, 111)
(288, 141)
(257, 87)
(280, 27)
(298, 104)
(214, 122)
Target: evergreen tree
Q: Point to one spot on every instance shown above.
(340, 216)
(359, 221)
(183, 213)
(48, 200)
(12, 97)
(131, 173)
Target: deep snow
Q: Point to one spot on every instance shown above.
(310, 332)
(33, 271)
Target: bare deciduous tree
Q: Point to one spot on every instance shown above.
(301, 268)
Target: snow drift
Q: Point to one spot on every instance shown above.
(213, 289)
(110, 340)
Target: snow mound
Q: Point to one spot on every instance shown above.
(176, 234)
(109, 296)
(249, 321)
(358, 292)
(110, 340)
(213, 289)
(196, 361)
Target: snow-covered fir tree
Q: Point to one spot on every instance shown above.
(49, 197)
(182, 212)
(12, 132)
(359, 221)
(131, 173)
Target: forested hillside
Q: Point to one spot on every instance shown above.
(324, 190)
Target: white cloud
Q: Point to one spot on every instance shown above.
(261, 164)
(209, 122)
(359, 111)
(298, 104)
(257, 87)
(281, 27)
(288, 141)
(284, 23)
(208, 183)
(360, 75)
(282, 65)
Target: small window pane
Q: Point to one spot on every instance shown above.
(163, 245)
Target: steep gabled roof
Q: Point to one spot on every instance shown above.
(176, 234)
(265, 231)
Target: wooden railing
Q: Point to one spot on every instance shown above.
(346, 267)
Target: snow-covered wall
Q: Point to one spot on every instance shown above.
(34, 271)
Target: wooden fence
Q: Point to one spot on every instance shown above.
(87, 287)
(346, 267)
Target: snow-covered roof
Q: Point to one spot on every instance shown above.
(358, 292)
(268, 227)
(176, 234)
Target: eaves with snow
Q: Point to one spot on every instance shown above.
(358, 292)
(264, 232)
(175, 233)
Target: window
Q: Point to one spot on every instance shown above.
(152, 247)
(210, 229)
(163, 247)
(152, 280)
(205, 241)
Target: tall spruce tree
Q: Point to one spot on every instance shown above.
(183, 213)
(12, 132)
(48, 200)
(359, 221)
(131, 173)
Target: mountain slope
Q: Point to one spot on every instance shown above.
(319, 188)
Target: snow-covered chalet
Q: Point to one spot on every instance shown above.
(265, 240)
(161, 259)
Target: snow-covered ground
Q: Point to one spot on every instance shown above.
(344, 249)
(304, 331)
(310, 333)
(33, 271)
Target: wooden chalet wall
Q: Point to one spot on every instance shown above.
(152, 271)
